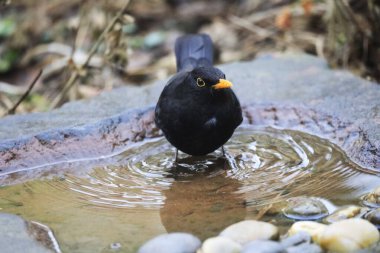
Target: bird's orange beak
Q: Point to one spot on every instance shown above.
(223, 84)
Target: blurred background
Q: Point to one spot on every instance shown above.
(85, 47)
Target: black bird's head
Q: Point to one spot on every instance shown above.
(210, 77)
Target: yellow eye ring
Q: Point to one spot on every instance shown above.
(200, 82)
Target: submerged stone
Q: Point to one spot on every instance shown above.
(249, 230)
(305, 208)
(349, 235)
(220, 245)
(171, 243)
(346, 213)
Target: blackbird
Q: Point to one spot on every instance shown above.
(197, 110)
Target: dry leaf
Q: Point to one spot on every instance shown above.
(284, 19)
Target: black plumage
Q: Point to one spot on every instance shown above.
(197, 110)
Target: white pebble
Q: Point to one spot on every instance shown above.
(249, 230)
(349, 235)
(220, 245)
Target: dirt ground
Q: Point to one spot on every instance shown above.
(85, 47)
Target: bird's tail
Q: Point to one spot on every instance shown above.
(193, 51)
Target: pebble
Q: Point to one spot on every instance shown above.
(249, 230)
(304, 248)
(314, 229)
(305, 208)
(171, 243)
(372, 199)
(220, 245)
(374, 217)
(296, 239)
(349, 235)
(346, 213)
(263, 246)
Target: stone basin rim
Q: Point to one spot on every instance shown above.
(110, 136)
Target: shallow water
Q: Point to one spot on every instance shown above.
(140, 193)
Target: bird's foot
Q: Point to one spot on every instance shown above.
(176, 156)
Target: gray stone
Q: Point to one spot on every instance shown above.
(294, 240)
(305, 247)
(263, 246)
(171, 243)
(290, 91)
(305, 208)
(20, 236)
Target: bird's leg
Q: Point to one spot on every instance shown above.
(223, 151)
(176, 155)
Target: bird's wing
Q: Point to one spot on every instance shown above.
(194, 51)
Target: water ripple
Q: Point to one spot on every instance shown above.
(267, 164)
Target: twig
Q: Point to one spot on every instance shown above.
(244, 23)
(13, 109)
(74, 76)
(296, 11)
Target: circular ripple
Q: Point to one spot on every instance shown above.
(262, 165)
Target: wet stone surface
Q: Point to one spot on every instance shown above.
(305, 208)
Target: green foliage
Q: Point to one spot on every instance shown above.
(7, 27)
(7, 60)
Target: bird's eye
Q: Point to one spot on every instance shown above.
(200, 82)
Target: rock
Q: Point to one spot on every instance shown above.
(304, 248)
(171, 243)
(305, 208)
(249, 230)
(349, 235)
(372, 199)
(220, 245)
(263, 246)
(290, 80)
(314, 229)
(296, 239)
(17, 235)
(374, 217)
(346, 213)
(300, 243)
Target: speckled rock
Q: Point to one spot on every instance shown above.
(263, 246)
(249, 230)
(171, 243)
(314, 229)
(349, 235)
(346, 212)
(220, 245)
(305, 208)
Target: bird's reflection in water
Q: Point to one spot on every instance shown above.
(202, 200)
